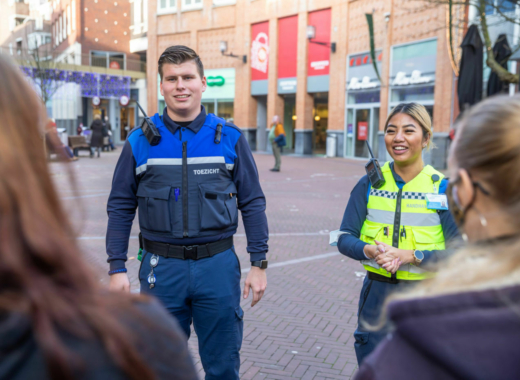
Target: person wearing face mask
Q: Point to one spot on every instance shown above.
(449, 327)
(399, 230)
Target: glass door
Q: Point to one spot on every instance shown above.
(362, 132)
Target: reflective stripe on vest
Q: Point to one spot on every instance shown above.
(400, 218)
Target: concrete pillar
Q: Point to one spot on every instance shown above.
(304, 101)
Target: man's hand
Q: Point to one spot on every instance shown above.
(256, 280)
(119, 283)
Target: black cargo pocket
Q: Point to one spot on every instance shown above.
(154, 210)
(218, 206)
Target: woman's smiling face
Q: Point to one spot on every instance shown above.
(405, 139)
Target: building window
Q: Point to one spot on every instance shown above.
(108, 60)
(137, 19)
(500, 6)
(73, 15)
(60, 29)
(166, 6)
(69, 17)
(219, 3)
(189, 5)
(64, 25)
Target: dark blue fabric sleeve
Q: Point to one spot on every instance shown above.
(449, 229)
(121, 207)
(353, 219)
(251, 201)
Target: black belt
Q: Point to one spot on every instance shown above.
(381, 278)
(193, 252)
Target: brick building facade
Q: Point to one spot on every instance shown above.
(319, 111)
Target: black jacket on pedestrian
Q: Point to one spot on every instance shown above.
(97, 134)
(166, 354)
(471, 335)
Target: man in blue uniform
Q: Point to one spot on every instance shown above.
(189, 188)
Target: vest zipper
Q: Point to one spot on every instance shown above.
(185, 187)
(397, 226)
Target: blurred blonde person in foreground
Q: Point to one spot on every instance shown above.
(55, 321)
(465, 322)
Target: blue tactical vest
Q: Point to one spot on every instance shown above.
(186, 188)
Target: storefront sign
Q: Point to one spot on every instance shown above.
(260, 52)
(365, 83)
(319, 55)
(416, 78)
(287, 54)
(259, 58)
(362, 132)
(114, 65)
(221, 84)
(96, 101)
(350, 129)
(215, 81)
(288, 86)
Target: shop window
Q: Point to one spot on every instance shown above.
(412, 94)
(166, 6)
(364, 97)
(209, 106)
(188, 5)
(225, 110)
(107, 60)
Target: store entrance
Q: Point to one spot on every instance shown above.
(362, 126)
(127, 117)
(321, 121)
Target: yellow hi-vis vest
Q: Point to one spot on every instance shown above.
(400, 218)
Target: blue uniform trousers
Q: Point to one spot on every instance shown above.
(204, 292)
(371, 302)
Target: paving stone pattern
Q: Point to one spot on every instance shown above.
(302, 328)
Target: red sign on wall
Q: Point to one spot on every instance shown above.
(259, 51)
(362, 130)
(319, 55)
(287, 47)
(114, 65)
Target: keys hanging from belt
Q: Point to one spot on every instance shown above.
(154, 260)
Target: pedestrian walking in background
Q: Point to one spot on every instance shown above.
(275, 133)
(96, 140)
(399, 229)
(465, 322)
(189, 188)
(79, 130)
(55, 320)
(108, 128)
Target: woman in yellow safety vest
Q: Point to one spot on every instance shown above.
(400, 228)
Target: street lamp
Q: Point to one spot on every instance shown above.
(311, 34)
(223, 49)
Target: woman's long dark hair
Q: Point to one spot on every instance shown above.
(42, 274)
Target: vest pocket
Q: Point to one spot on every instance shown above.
(154, 209)
(218, 207)
(371, 231)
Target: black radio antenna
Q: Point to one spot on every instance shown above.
(369, 149)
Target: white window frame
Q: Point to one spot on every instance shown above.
(168, 9)
(192, 7)
(138, 21)
(60, 29)
(222, 3)
(69, 24)
(73, 15)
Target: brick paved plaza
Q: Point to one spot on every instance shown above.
(302, 328)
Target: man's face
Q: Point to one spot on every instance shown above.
(182, 87)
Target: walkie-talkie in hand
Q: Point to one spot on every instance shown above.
(374, 173)
(149, 129)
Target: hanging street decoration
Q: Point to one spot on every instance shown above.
(91, 84)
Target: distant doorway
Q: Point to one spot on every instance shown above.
(289, 122)
(321, 122)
